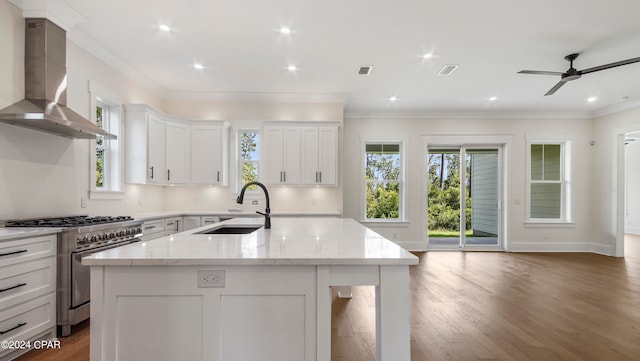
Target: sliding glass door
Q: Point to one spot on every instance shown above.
(463, 197)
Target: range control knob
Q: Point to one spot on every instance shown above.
(93, 238)
(82, 240)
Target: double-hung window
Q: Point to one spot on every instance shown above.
(383, 181)
(106, 156)
(549, 181)
(249, 157)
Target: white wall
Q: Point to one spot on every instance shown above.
(521, 237)
(632, 212)
(608, 158)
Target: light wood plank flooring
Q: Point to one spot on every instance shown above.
(490, 306)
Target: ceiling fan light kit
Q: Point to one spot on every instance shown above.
(573, 74)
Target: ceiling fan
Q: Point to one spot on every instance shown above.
(573, 74)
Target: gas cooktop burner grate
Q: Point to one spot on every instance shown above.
(74, 221)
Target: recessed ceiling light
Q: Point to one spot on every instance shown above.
(198, 66)
(493, 99)
(427, 56)
(164, 27)
(285, 30)
(292, 68)
(393, 99)
(591, 99)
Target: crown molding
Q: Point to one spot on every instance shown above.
(256, 97)
(465, 114)
(616, 108)
(57, 11)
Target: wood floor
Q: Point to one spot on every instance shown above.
(491, 306)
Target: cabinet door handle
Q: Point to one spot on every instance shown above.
(316, 177)
(13, 328)
(218, 176)
(320, 177)
(14, 252)
(280, 176)
(168, 174)
(12, 287)
(151, 172)
(285, 176)
(177, 225)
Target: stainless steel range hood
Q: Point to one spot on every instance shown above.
(45, 81)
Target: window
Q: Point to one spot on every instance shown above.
(249, 150)
(383, 181)
(549, 182)
(102, 158)
(105, 170)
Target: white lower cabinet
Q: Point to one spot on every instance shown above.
(173, 225)
(152, 229)
(191, 222)
(156, 228)
(27, 293)
(265, 313)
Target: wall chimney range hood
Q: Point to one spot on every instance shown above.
(45, 81)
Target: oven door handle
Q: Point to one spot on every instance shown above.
(102, 248)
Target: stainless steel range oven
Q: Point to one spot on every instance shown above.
(81, 236)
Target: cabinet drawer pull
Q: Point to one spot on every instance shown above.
(14, 252)
(149, 227)
(13, 328)
(151, 172)
(12, 287)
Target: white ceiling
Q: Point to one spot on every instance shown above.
(245, 55)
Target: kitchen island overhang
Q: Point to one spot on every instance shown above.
(274, 302)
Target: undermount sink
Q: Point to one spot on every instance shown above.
(230, 230)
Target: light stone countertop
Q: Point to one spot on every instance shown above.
(290, 241)
(18, 232)
(166, 214)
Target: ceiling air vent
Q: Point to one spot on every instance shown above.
(365, 70)
(447, 69)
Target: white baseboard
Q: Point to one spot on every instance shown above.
(603, 249)
(549, 247)
(632, 230)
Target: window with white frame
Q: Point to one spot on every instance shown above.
(549, 181)
(383, 181)
(249, 157)
(106, 157)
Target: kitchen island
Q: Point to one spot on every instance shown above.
(264, 295)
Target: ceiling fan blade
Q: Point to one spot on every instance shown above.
(539, 72)
(555, 87)
(611, 65)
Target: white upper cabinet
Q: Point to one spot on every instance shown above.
(145, 139)
(319, 155)
(282, 155)
(164, 150)
(304, 155)
(208, 163)
(177, 153)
